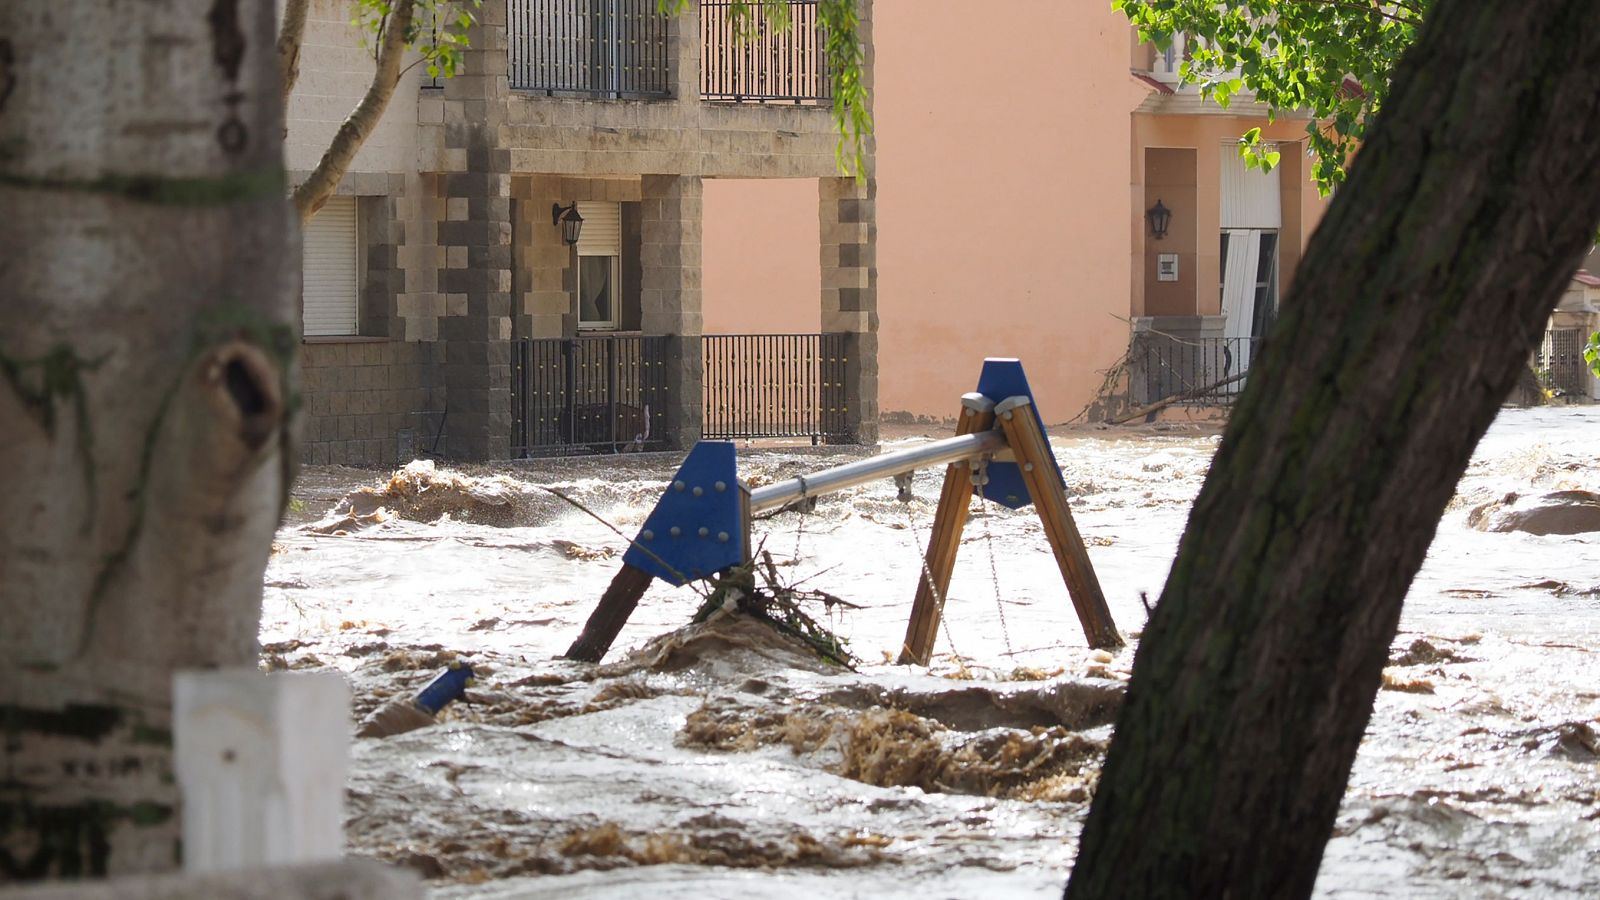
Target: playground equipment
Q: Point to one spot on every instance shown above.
(701, 525)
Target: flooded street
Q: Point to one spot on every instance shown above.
(720, 759)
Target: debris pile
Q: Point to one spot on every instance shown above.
(422, 492)
(896, 748)
(1558, 512)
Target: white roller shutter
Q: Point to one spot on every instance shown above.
(328, 274)
(1249, 196)
(602, 229)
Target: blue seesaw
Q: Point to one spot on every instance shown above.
(700, 528)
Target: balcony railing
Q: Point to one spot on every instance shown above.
(758, 63)
(1559, 361)
(774, 385)
(594, 48)
(1199, 371)
(597, 392)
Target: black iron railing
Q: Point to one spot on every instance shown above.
(774, 385)
(591, 393)
(1560, 361)
(598, 48)
(759, 63)
(1201, 371)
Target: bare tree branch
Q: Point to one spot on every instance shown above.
(391, 45)
(290, 36)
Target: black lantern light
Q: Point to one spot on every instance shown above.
(1160, 217)
(567, 217)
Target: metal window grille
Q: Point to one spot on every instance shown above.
(763, 64)
(596, 48)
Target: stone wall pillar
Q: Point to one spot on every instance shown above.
(476, 237)
(849, 239)
(669, 255)
(847, 217)
(542, 305)
(383, 282)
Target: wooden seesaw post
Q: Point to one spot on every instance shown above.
(1033, 454)
(701, 525)
(955, 499)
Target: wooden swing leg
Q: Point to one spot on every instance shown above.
(1032, 450)
(977, 414)
(606, 622)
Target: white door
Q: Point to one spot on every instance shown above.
(1251, 216)
(1249, 289)
(1240, 261)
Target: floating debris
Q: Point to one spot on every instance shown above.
(1558, 512)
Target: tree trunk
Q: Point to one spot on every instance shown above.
(1415, 309)
(147, 348)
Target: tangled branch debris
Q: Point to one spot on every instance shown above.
(778, 605)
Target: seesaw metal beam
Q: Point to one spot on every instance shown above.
(862, 471)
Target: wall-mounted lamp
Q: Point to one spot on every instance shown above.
(1160, 217)
(567, 217)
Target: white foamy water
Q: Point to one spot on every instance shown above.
(564, 780)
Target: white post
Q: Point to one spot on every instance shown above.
(261, 763)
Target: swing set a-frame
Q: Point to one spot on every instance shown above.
(701, 525)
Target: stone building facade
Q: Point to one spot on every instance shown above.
(457, 256)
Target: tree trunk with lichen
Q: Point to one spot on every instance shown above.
(1419, 300)
(147, 346)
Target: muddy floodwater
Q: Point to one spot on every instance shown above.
(721, 759)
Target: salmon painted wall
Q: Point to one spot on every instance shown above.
(759, 256)
(1002, 197)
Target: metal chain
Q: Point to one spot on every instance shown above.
(938, 595)
(806, 505)
(980, 478)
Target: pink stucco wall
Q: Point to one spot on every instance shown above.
(1002, 189)
(761, 271)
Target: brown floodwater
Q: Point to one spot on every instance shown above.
(713, 760)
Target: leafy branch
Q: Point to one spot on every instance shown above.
(1328, 59)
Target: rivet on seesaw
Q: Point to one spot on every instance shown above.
(648, 535)
(698, 490)
(677, 485)
(722, 536)
(675, 531)
(1027, 467)
(1006, 415)
(704, 531)
(721, 486)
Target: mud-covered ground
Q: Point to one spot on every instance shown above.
(720, 759)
